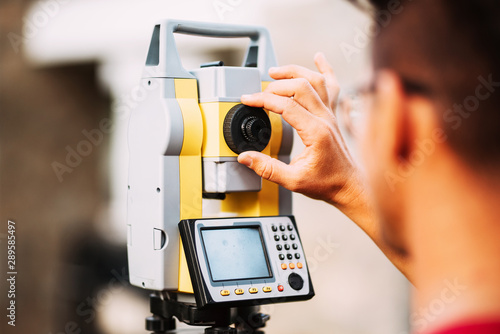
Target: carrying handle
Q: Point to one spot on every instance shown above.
(215, 30)
(163, 59)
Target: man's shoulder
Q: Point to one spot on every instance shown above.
(486, 327)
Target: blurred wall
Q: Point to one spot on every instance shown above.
(43, 111)
(77, 64)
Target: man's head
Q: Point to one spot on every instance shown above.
(439, 69)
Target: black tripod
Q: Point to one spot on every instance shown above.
(246, 320)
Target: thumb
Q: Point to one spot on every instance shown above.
(266, 167)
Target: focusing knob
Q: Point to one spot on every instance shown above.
(246, 129)
(295, 281)
(253, 128)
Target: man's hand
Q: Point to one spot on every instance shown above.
(307, 100)
(325, 169)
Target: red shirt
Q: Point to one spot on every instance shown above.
(473, 328)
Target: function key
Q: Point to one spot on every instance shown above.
(290, 227)
(253, 290)
(267, 289)
(282, 228)
(284, 237)
(284, 266)
(280, 288)
(282, 257)
(299, 265)
(292, 236)
(279, 247)
(277, 238)
(274, 228)
(297, 256)
(294, 246)
(287, 246)
(292, 266)
(289, 256)
(225, 292)
(239, 291)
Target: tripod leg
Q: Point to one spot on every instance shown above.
(221, 330)
(250, 320)
(159, 322)
(159, 325)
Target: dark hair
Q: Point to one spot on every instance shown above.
(451, 47)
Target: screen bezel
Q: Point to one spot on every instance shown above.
(263, 243)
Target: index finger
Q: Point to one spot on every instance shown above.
(302, 92)
(292, 112)
(317, 80)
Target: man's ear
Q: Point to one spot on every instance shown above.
(407, 125)
(395, 133)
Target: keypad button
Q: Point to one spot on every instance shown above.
(239, 291)
(297, 256)
(289, 256)
(282, 257)
(277, 237)
(281, 288)
(225, 292)
(287, 246)
(253, 290)
(284, 266)
(292, 266)
(299, 265)
(279, 247)
(267, 289)
(295, 246)
(282, 228)
(274, 228)
(284, 237)
(290, 227)
(292, 236)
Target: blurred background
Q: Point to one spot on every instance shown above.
(70, 68)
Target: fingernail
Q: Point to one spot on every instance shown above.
(245, 160)
(246, 97)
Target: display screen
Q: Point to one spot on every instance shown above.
(235, 253)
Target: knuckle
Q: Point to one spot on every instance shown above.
(267, 171)
(289, 105)
(318, 80)
(268, 101)
(271, 87)
(303, 84)
(265, 96)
